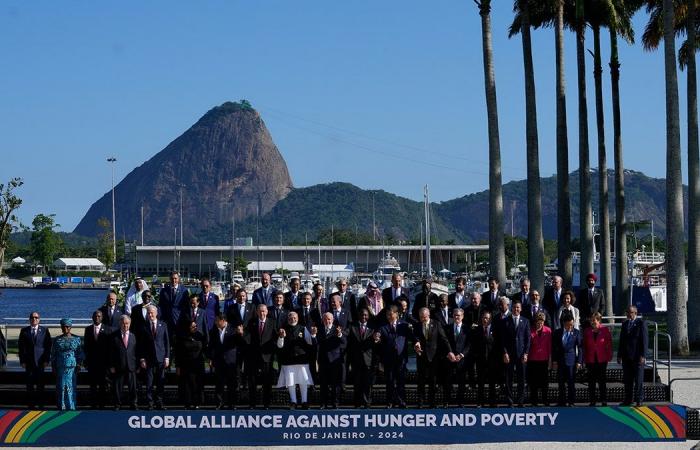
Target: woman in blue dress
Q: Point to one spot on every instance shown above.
(66, 357)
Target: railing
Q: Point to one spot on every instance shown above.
(670, 387)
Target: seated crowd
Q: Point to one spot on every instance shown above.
(300, 340)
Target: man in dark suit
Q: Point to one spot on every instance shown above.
(308, 315)
(261, 344)
(197, 315)
(241, 312)
(567, 357)
(455, 368)
(277, 312)
(341, 316)
(631, 353)
(431, 345)
(111, 312)
(530, 312)
(318, 300)
(173, 299)
(404, 313)
(155, 357)
(459, 298)
(390, 294)
(96, 344)
(226, 355)
(34, 355)
(590, 300)
(473, 312)
(361, 355)
(123, 363)
(490, 297)
(139, 315)
(442, 314)
(515, 343)
(209, 302)
(292, 298)
(425, 299)
(394, 338)
(332, 343)
(553, 296)
(524, 295)
(265, 294)
(486, 356)
(347, 299)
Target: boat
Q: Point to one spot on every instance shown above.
(237, 277)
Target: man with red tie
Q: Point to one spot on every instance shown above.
(362, 358)
(123, 363)
(155, 358)
(261, 342)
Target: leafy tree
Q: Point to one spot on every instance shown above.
(104, 241)
(9, 202)
(45, 243)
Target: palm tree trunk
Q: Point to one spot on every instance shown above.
(564, 205)
(605, 265)
(675, 257)
(585, 219)
(535, 240)
(497, 253)
(693, 189)
(621, 280)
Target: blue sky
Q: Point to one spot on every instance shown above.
(386, 95)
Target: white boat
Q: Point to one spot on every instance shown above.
(237, 277)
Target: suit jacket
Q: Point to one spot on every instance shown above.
(634, 340)
(361, 348)
(96, 348)
(472, 315)
(423, 300)
(452, 302)
(312, 319)
(570, 352)
(260, 347)
(597, 348)
(112, 322)
(122, 359)
(516, 341)
(387, 295)
(138, 322)
(210, 304)
(155, 348)
(483, 348)
(459, 344)
(228, 352)
(322, 304)
(549, 301)
(518, 297)
(201, 321)
(376, 320)
(341, 318)
(288, 300)
(487, 301)
(171, 303)
(233, 314)
(34, 352)
(589, 304)
(350, 303)
(394, 344)
(438, 315)
(435, 345)
(528, 312)
(259, 296)
(279, 316)
(331, 348)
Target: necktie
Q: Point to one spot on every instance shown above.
(97, 331)
(362, 330)
(517, 321)
(556, 297)
(153, 328)
(306, 314)
(194, 313)
(486, 331)
(328, 331)
(125, 340)
(34, 334)
(566, 337)
(241, 311)
(336, 314)
(393, 328)
(457, 330)
(221, 335)
(260, 328)
(425, 330)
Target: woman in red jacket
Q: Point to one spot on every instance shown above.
(597, 352)
(538, 360)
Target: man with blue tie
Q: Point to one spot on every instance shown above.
(455, 367)
(34, 355)
(111, 312)
(173, 299)
(516, 346)
(459, 298)
(155, 357)
(332, 343)
(241, 312)
(341, 316)
(393, 339)
(553, 296)
(634, 340)
(567, 357)
(209, 302)
(265, 293)
(292, 298)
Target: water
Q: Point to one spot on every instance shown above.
(50, 303)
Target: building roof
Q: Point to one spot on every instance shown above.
(19, 260)
(79, 262)
(271, 266)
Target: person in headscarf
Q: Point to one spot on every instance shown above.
(133, 295)
(374, 303)
(295, 345)
(66, 357)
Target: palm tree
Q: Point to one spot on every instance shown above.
(675, 258)
(497, 253)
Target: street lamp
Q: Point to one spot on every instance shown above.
(112, 160)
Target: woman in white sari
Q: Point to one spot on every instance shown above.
(133, 296)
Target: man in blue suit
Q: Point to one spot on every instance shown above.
(567, 357)
(197, 315)
(332, 342)
(111, 312)
(209, 302)
(34, 353)
(225, 353)
(634, 340)
(515, 343)
(265, 294)
(173, 298)
(155, 357)
(341, 316)
(393, 339)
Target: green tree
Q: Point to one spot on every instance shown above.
(45, 243)
(9, 202)
(104, 241)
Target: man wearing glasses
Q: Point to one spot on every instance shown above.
(34, 354)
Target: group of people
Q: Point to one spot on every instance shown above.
(298, 340)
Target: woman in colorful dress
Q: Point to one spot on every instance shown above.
(66, 357)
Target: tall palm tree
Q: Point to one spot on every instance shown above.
(675, 257)
(497, 253)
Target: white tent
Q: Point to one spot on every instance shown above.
(333, 271)
(273, 266)
(78, 264)
(19, 260)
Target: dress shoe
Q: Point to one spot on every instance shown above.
(292, 406)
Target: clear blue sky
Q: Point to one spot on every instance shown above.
(386, 95)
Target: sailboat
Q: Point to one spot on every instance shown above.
(437, 288)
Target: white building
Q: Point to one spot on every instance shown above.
(79, 264)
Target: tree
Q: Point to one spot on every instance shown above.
(497, 258)
(44, 242)
(104, 241)
(9, 203)
(675, 267)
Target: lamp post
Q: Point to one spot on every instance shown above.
(112, 160)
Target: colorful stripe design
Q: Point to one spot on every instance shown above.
(25, 427)
(650, 422)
